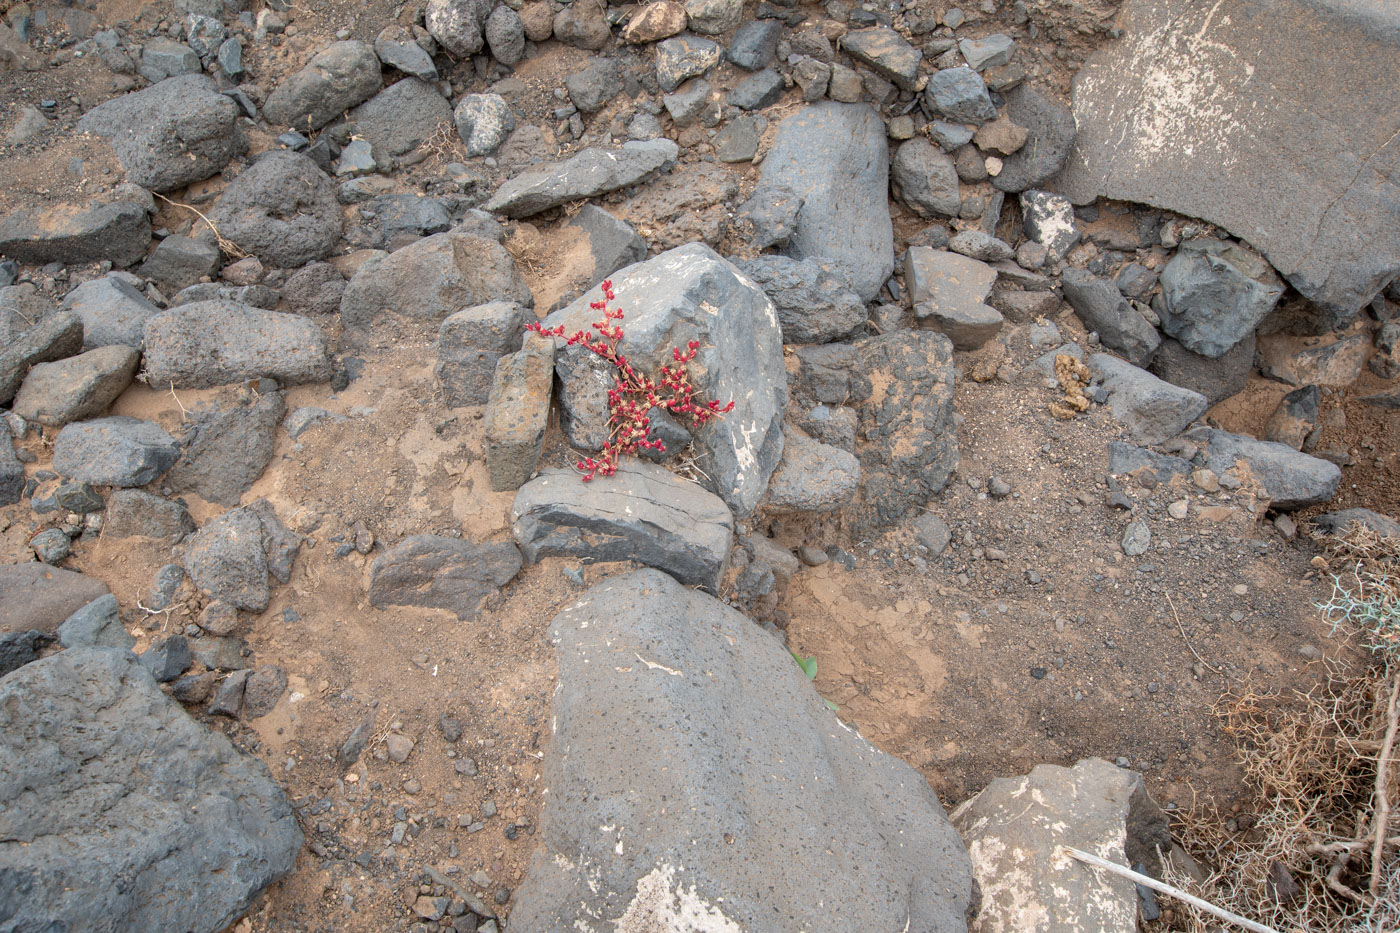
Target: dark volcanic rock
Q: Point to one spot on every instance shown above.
(55, 337)
(37, 597)
(1050, 135)
(400, 117)
(1200, 110)
(226, 451)
(1216, 379)
(909, 445)
(336, 79)
(175, 132)
(1102, 308)
(1214, 294)
(227, 560)
(79, 387)
(690, 293)
(835, 158)
(643, 513)
(441, 573)
(827, 818)
(118, 231)
(134, 512)
(113, 311)
(127, 814)
(212, 343)
(590, 173)
(115, 451)
(282, 209)
(814, 305)
(1291, 479)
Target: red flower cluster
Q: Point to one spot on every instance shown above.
(634, 394)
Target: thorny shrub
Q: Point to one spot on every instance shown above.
(634, 394)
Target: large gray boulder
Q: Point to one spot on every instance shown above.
(212, 343)
(282, 209)
(689, 293)
(1289, 478)
(1152, 410)
(123, 813)
(1049, 137)
(37, 597)
(227, 560)
(336, 79)
(441, 573)
(757, 808)
(924, 178)
(1200, 109)
(52, 338)
(432, 278)
(459, 24)
(178, 131)
(643, 512)
(1214, 293)
(590, 173)
(1014, 828)
(908, 447)
(814, 305)
(835, 158)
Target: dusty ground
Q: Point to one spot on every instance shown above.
(1032, 639)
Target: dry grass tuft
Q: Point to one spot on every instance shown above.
(1324, 851)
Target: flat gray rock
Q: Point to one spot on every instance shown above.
(135, 512)
(643, 512)
(441, 573)
(517, 413)
(78, 387)
(689, 293)
(469, 344)
(212, 343)
(835, 158)
(114, 451)
(125, 812)
(1336, 523)
(1050, 135)
(787, 811)
(886, 51)
(98, 624)
(37, 597)
(175, 132)
(814, 305)
(282, 209)
(1199, 109)
(924, 178)
(1291, 479)
(812, 476)
(336, 79)
(432, 278)
(1153, 411)
(948, 291)
(590, 173)
(53, 338)
(1014, 827)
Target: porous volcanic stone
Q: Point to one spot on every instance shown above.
(282, 209)
(115, 451)
(441, 573)
(212, 343)
(336, 79)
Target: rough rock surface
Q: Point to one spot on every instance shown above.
(123, 812)
(227, 560)
(469, 344)
(282, 209)
(814, 305)
(441, 573)
(1198, 109)
(1014, 826)
(397, 119)
(1152, 410)
(76, 388)
(135, 512)
(36, 597)
(175, 132)
(1214, 294)
(824, 817)
(1103, 309)
(909, 446)
(212, 343)
(948, 292)
(517, 413)
(227, 450)
(1293, 480)
(643, 512)
(117, 231)
(336, 79)
(53, 338)
(114, 451)
(812, 476)
(835, 158)
(925, 179)
(690, 293)
(590, 173)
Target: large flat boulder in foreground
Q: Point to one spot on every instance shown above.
(697, 782)
(1201, 108)
(120, 812)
